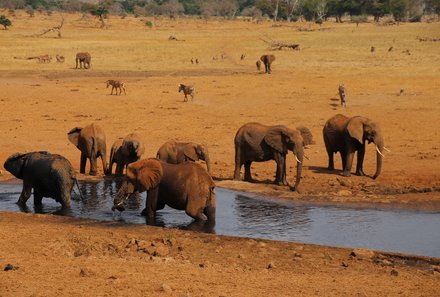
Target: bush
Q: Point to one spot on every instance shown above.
(319, 21)
(415, 19)
(149, 24)
(5, 22)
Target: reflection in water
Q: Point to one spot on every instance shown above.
(240, 215)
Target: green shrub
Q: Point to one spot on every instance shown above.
(149, 24)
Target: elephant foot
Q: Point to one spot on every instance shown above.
(296, 189)
(346, 173)
(331, 168)
(360, 172)
(93, 173)
(249, 179)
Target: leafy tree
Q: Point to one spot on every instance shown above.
(399, 9)
(101, 11)
(172, 8)
(5, 22)
(433, 6)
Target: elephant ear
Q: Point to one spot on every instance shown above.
(14, 164)
(190, 152)
(355, 128)
(147, 173)
(73, 134)
(275, 138)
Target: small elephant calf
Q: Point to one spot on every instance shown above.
(187, 90)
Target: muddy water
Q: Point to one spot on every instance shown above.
(240, 215)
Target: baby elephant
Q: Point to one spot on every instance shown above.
(187, 90)
(48, 174)
(125, 151)
(186, 186)
(177, 152)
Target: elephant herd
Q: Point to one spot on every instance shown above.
(173, 178)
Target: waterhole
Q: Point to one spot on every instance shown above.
(238, 214)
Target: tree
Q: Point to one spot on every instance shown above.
(101, 11)
(172, 8)
(399, 9)
(5, 22)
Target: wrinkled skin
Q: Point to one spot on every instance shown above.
(177, 152)
(125, 151)
(267, 60)
(90, 140)
(349, 135)
(83, 59)
(49, 175)
(185, 186)
(255, 142)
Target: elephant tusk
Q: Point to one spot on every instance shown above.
(377, 149)
(385, 148)
(297, 160)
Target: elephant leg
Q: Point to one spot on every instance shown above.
(194, 210)
(37, 198)
(151, 204)
(344, 159)
(247, 171)
(331, 164)
(25, 193)
(209, 212)
(82, 167)
(119, 169)
(238, 162)
(360, 161)
(93, 165)
(280, 176)
(104, 161)
(349, 163)
(268, 68)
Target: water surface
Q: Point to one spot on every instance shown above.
(238, 214)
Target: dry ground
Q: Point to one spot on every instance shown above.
(40, 103)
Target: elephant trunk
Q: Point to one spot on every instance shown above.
(299, 156)
(208, 164)
(379, 157)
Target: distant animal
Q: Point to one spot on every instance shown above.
(175, 152)
(60, 59)
(342, 94)
(267, 60)
(373, 49)
(116, 84)
(402, 91)
(242, 56)
(255, 142)
(192, 61)
(390, 49)
(44, 59)
(197, 61)
(348, 135)
(125, 151)
(258, 63)
(83, 59)
(49, 175)
(90, 140)
(187, 90)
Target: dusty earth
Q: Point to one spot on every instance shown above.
(41, 102)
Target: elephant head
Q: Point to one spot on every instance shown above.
(132, 146)
(14, 164)
(195, 152)
(141, 176)
(362, 129)
(267, 60)
(283, 139)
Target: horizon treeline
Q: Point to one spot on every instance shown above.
(290, 10)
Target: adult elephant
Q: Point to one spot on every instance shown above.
(267, 60)
(185, 186)
(50, 175)
(348, 135)
(83, 59)
(255, 142)
(125, 151)
(90, 140)
(177, 152)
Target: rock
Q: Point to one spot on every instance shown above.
(161, 250)
(394, 272)
(166, 288)
(270, 265)
(142, 244)
(241, 256)
(344, 193)
(85, 272)
(362, 254)
(10, 267)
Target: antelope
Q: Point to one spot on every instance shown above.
(187, 90)
(342, 94)
(116, 84)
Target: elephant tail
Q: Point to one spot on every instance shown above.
(77, 186)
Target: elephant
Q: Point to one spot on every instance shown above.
(259, 143)
(84, 59)
(348, 135)
(90, 140)
(184, 186)
(50, 175)
(267, 60)
(177, 152)
(125, 151)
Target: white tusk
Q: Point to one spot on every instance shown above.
(386, 149)
(297, 159)
(377, 149)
